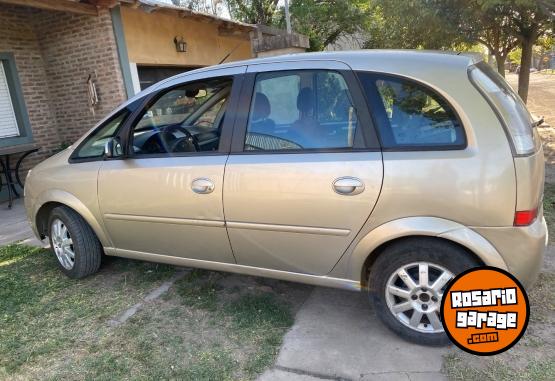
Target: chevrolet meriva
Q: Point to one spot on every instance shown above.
(386, 171)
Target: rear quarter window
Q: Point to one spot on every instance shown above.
(410, 115)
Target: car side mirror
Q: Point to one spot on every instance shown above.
(113, 148)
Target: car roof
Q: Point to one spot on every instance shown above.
(351, 57)
(400, 61)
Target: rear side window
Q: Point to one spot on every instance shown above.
(301, 110)
(410, 115)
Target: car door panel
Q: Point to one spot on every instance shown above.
(149, 205)
(171, 203)
(282, 211)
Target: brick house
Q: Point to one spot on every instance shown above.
(50, 48)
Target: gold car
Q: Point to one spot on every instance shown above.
(386, 171)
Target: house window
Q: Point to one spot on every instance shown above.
(8, 121)
(14, 122)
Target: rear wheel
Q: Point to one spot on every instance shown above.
(73, 241)
(407, 282)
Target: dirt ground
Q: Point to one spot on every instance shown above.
(541, 103)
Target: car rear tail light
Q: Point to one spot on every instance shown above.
(515, 116)
(525, 217)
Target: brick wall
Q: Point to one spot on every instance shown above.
(74, 46)
(54, 54)
(17, 36)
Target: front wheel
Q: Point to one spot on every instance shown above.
(407, 283)
(73, 241)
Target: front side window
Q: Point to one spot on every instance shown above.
(93, 146)
(297, 110)
(184, 119)
(412, 115)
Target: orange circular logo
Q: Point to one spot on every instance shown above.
(485, 311)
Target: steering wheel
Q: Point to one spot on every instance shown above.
(172, 144)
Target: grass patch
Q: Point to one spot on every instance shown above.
(456, 368)
(542, 299)
(53, 327)
(259, 312)
(210, 365)
(549, 209)
(44, 312)
(262, 319)
(198, 289)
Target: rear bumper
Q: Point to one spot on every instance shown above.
(522, 248)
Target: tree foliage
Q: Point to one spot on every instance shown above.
(206, 6)
(409, 24)
(325, 21)
(254, 11)
(500, 25)
(478, 22)
(533, 19)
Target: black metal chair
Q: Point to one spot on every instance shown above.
(9, 174)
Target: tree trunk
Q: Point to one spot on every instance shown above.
(500, 59)
(525, 64)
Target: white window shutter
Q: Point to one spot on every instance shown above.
(8, 121)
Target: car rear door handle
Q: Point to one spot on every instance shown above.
(348, 186)
(202, 186)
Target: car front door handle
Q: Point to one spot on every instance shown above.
(348, 186)
(202, 186)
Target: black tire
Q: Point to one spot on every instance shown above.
(86, 246)
(402, 253)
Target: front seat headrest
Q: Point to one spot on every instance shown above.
(261, 108)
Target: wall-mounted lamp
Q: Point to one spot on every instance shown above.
(180, 45)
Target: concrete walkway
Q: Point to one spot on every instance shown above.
(336, 336)
(14, 226)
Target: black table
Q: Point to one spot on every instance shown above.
(5, 153)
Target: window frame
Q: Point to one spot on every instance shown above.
(365, 139)
(379, 114)
(74, 158)
(18, 103)
(152, 98)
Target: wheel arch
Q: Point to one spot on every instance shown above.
(48, 200)
(376, 241)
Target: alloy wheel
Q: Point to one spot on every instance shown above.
(62, 244)
(414, 292)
